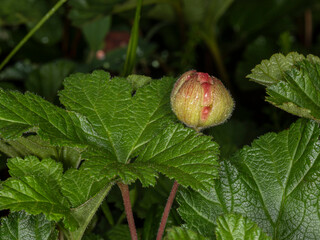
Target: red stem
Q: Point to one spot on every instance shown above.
(167, 210)
(127, 206)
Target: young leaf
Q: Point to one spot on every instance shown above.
(292, 83)
(299, 92)
(235, 226)
(273, 183)
(22, 226)
(35, 188)
(272, 71)
(178, 233)
(40, 187)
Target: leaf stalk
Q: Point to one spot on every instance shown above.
(127, 206)
(167, 210)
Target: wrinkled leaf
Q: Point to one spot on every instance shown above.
(116, 124)
(182, 154)
(22, 226)
(235, 226)
(292, 83)
(273, 183)
(41, 187)
(34, 186)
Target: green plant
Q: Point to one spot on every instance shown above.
(98, 159)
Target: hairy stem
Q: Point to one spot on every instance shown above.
(127, 206)
(167, 210)
(32, 31)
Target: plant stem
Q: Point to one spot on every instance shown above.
(127, 206)
(167, 210)
(32, 31)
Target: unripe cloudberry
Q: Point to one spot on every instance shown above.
(200, 100)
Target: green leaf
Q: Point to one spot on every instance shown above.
(22, 226)
(47, 80)
(35, 188)
(104, 102)
(40, 187)
(235, 226)
(116, 124)
(20, 112)
(127, 123)
(182, 154)
(292, 83)
(138, 81)
(80, 185)
(272, 71)
(33, 145)
(299, 92)
(178, 233)
(273, 183)
(95, 32)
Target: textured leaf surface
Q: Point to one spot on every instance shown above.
(126, 122)
(182, 154)
(178, 233)
(116, 124)
(19, 112)
(79, 185)
(273, 183)
(235, 226)
(41, 187)
(299, 93)
(179, 153)
(292, 83)
(35, 188)
(21, 226)
(272, 71)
